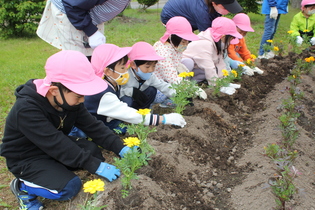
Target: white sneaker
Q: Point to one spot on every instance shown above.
(262, 56)
(270, 54)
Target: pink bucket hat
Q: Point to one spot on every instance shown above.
(242, 21)
(143, 51)
(74, 71)
(106, 54)
(224, 26)
(181, 27)
(307, 2)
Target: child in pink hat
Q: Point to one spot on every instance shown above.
(303, 23)
(170, 46)
(109, 62)
(36, 140)
(140, 91)
(208, 52)
(239, 53)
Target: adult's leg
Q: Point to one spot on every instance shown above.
(270, 28)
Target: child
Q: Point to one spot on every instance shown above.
(35, 144)
(207, 53)
(109, 61)
(303, 23)
(141, 89)
(239, 52)
(171, 45)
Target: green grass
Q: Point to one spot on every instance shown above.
(23, 59)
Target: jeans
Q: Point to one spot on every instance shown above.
(271, 26)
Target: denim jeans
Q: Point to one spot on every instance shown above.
(271, 26)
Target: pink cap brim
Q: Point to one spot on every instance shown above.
(235, 41)
(245, 28)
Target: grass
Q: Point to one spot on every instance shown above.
(24, 58)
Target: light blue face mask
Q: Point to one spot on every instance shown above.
(311, 12)
(143, 76)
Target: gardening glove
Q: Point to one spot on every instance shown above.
(139, 97)
(312, 41)
(181, 68)
(248, 71)
(258, 70)
(273, 13)
(234, 85)
(228, 90)
(96, 39)
(299, 40)
(201, 93)
(174, 119)
(234, 63)
(108, 171)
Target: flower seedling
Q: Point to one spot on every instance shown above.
(92, 187)
(185, 89)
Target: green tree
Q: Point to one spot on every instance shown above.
(249, 6)
(147, 3)
(20, 17)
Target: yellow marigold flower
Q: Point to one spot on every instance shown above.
(307, 60)
(290, 32)
(144, 111)
(252, 56)
(131, 141)
(312, 59)
(241, 65)
(306, 30)
(249, 61)
(269, 41)
(234, 72)
(183, 74)
(225, 72)
(94, 186)
(294, 76)
(191, 74)
(275, 48)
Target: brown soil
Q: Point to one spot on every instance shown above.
(216, 161)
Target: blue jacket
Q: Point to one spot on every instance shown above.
(78, 14)
(282, 6)
(196, 12)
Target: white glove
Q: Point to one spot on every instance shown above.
(299, 40)
(201, 93)
(258, 70)
(247, 70)
(181, 68)
(234, 85)
(312, 41)
(273, 13)
(174, 119)
(228, 90)
(96, 39)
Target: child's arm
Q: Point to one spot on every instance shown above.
(233, 54)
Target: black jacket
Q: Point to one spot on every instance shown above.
(35, 129)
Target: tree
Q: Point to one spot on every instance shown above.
(296, 3)
(18, 17)
(249, 6)
(147, 3)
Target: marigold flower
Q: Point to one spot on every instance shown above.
(294, 76)
(307, 60)
(241, 65)
(290, 32)
(306, 30)
(269, 41)
(312, 59)
(252, 56)
(234, 72)
(191, 74)
(249, 61)
(94, 186)
(131, 141)
(225, 72)
(275, 48)
(144, 111)
(183, 74)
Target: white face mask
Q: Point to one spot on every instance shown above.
(311, 12)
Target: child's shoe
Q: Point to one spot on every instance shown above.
(168, 103)
(26, 201)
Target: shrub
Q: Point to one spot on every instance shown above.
(146, 3)
(249, 6)
(18, 17)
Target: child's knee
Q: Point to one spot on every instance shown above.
(72, 188)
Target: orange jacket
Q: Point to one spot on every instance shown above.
(239, 51)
